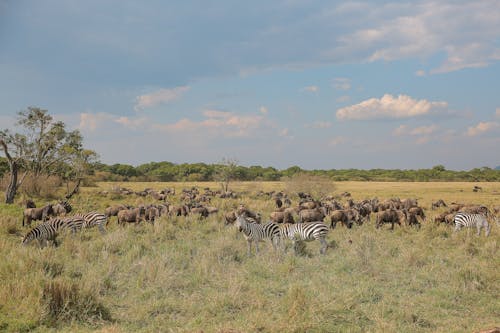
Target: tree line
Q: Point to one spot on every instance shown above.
(168, 171)
(42, 147)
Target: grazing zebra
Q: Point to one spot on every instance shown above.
(254, 232)
(306, 231)
(50, 229)
(93, 219)
(472, 220)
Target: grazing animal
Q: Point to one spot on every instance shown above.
(49, 230)
(93, 219)
(134, 215)
(310, 215)
(255, 232)
(390, 216)
(472, 220)
(307, 231)
(62, 208)
(34, 214)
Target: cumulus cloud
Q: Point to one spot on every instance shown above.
(423, 134)
(225, 123)
(92, 121)
(263, 110)
(389, 106)
(483, 127)
(402, 31)
(158, 97)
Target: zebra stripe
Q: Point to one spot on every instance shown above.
(254, 232)
(50, 229)
(307, 231)
(93, 219)
(472, 220)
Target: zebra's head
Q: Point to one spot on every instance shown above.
(241, 222)
(27, 239)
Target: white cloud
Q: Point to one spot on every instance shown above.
(92, 121)
(497, 113)
(424, 130)
(263, 110)
(223, 123)
(398, 31)
(389, 106)
(311, 89)
(158, 97)
(483, 127)
(342, 83)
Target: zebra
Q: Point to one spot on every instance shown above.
(472, 220)
(93, 219)
(255, 232)
(49, 230)
(306, 231)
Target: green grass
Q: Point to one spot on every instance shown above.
(187, 275)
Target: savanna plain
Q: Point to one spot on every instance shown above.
(186, 274)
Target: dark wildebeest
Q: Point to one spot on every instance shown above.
(34, 214)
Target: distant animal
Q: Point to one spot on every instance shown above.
(135, 215)
(255, 232)
(310, 215)
(470, 221)
(391, 216)
(438, 203)
(34, 214)
(307, 231)
(113, 210)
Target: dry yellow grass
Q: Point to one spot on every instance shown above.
(187, 275)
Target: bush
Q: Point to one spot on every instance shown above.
(64, 302)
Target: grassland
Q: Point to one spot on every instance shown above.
(190, 275)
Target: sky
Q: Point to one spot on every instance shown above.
(317, 84)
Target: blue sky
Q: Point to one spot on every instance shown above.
(319, 84)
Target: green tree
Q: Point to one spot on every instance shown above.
(41, 147)
(225, 172)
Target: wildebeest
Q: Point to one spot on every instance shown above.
(34, 214)
(390, 216)
(134, 215)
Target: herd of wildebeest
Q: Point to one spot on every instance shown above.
(332, 210)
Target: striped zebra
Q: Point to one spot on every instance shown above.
(93, 219)
(472, 220)
(255, 232)
(307, 231)
(49, 230)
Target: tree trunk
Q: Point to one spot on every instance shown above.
(11, 191)
(75, 189)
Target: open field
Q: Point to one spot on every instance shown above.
(191, 275)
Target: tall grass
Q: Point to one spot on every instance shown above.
(192, 275)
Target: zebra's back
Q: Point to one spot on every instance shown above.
(93, 219)
(469, 220)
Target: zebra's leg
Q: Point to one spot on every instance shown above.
(478, 228)
(102, 230)
(457, 227)
(487, 229)
(249, 243)
(256, 247)
(324, 245)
